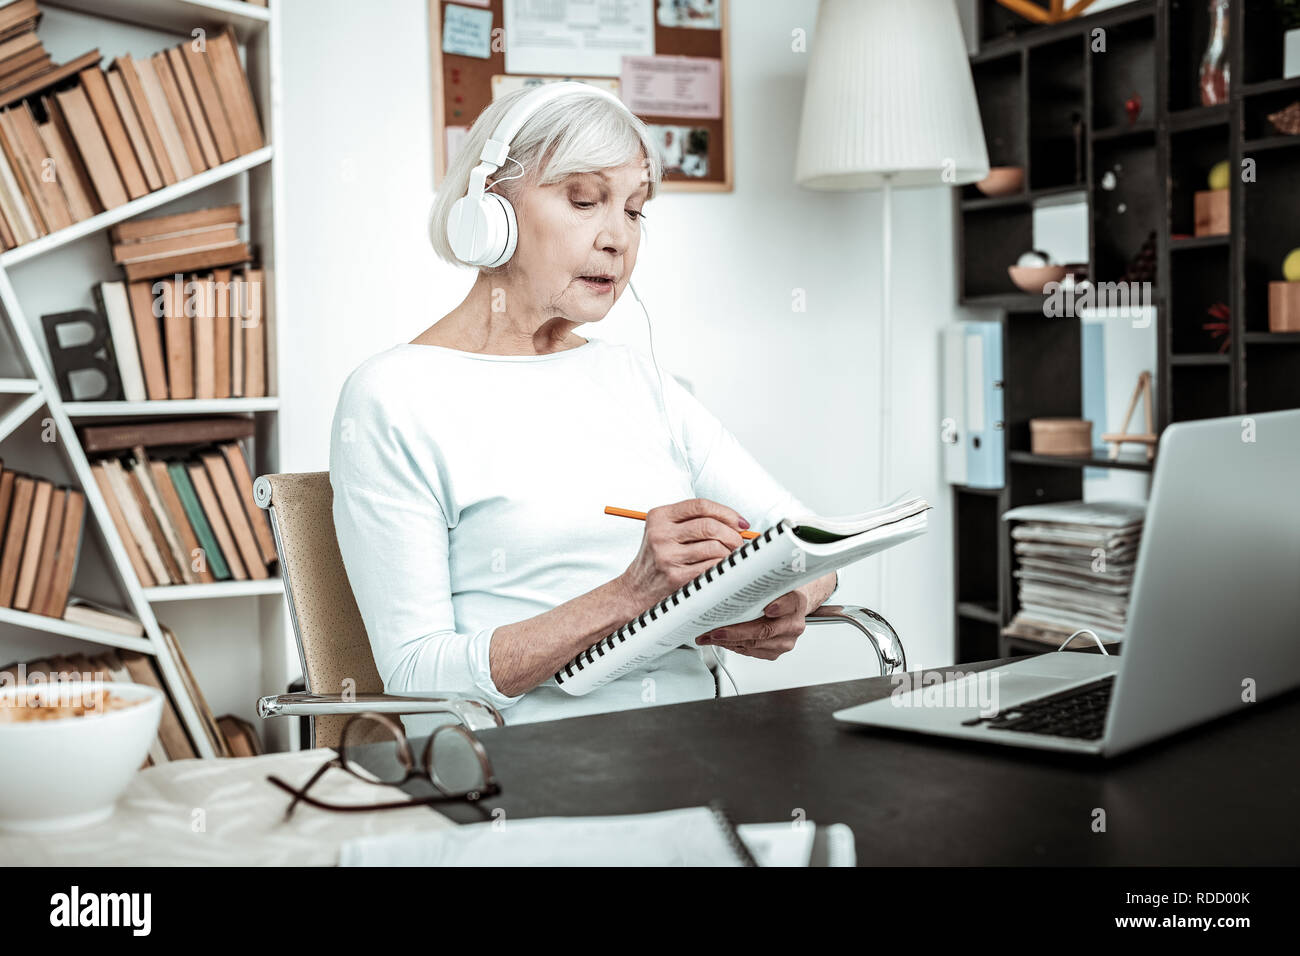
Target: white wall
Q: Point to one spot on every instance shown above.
(717, 272)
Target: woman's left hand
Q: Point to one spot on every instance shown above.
(769, 636)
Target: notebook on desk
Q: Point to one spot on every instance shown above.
(690, 836)
(799, 549)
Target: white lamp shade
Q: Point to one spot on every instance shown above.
(889, 93)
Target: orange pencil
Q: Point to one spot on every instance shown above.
(625, 513)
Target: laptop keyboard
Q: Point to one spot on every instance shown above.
(1079, 712)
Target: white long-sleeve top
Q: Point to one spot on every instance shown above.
(469, 493)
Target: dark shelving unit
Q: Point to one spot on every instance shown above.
(1055, 105)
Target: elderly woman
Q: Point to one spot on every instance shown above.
(471, 466)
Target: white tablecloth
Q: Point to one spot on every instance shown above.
(225, 813)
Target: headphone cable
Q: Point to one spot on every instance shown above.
(663, 401)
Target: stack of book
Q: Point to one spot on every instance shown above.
(172, 742)
(40, 539)
(193, 334)
(22, 55)
(1074, 564)
(187, 517)
(116, 135)
(184, 242)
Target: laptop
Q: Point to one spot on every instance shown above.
(1214, 614)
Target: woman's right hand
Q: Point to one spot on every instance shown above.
(681, 541)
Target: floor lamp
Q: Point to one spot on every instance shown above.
(888, 102)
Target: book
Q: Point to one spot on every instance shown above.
(233, 511)
(192, 240)
(136, 520)
(49, 551)
(170, 729)
(198, 64)
(238, 736)
(703, 835)
(190, 686)
(168, 129)
(89, 138)
(221, 254)
(798, 549)
(126, 70)
(93, 614)
(250, 309)
(180, 520)
(212, 510)
(134, 130)
(204, 335)
(119, 436)
(134, 554)
(170, 545)
(113, 303)
(6, 496)
(220, 284)
(11, 554)
(36, 528)
(72, 175)
(189, 498)
(174, 224)
(95, 83)
(243, 476)
(17, 180)
(149, 339)
(176, 106)
(18, 224)
(29, 149)
(236, 95)
(184, 83)
(12, 94)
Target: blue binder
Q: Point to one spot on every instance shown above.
(985, 425)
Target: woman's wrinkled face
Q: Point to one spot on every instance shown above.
(578, 240)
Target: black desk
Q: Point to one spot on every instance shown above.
(1222, 794)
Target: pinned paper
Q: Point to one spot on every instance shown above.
(455, 139)
(698, 14)
(503, 83)
(686, 86)
(575, 37)
(466, 31)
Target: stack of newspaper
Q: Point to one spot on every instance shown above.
(1074, 563)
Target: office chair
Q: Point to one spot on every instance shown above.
(333, 646)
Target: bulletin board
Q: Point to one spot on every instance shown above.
(695, 146)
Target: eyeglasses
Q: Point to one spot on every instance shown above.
(453, 761)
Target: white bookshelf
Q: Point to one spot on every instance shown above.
(233, 633)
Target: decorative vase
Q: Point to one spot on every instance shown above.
(1214, 78)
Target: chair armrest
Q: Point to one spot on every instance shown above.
(475, 714)
(884, 639)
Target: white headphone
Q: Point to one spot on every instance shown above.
(481, 228)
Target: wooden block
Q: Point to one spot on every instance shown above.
(1212, 216)
(1284, 306)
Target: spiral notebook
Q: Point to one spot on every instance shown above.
(796, 550)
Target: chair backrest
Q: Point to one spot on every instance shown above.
(332, 642)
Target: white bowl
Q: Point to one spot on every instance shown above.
(69, 771)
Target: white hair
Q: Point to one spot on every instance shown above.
(577, 132)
